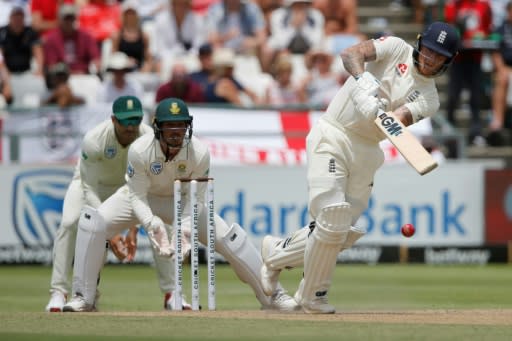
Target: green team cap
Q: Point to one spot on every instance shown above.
(127, 106)
(172, 110)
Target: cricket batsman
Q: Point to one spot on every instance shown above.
(98, 174)
(155, 161)
(343, 152)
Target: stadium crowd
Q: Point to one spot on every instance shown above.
(241, 52)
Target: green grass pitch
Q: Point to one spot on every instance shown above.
(382, 302)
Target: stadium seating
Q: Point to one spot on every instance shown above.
(28, 90)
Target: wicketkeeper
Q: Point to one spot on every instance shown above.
(343, 152)
(155, 161)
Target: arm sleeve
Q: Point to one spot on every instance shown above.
(138, 184)
(89, 172)
(388, 47)
(425, 105)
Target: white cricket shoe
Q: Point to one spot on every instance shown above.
(269, 278)
(281, 301)
(318, 305)
(169, 302)
(78, 304)
(57, 301)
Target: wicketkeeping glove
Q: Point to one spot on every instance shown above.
(158, 236)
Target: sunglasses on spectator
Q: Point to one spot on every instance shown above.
(130, 121)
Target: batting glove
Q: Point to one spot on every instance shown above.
(158, 236)
(366, 105)
(367, 83)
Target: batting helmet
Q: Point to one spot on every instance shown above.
(441, 38)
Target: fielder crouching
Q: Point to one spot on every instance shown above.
(155, 161)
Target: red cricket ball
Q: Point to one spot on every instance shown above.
(408, 230)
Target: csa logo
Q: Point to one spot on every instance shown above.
(156, 167)
(37, 204)
(130, 171)
(110, 152)
(182, 167)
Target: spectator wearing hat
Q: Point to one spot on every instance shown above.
(282, 90)
(5, 84)
(131, 39)
(59, 89)
(321, 83)
(222, 86)
(296, 28)
(181, 86)
(203, 75)
(117, 84)
(71, 45)
(20, 44)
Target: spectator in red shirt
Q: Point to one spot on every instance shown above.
(180, 86)
(100, 18)
(71, 45)
(473, 18)
(44, 14)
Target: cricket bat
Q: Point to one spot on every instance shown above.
(406, 143)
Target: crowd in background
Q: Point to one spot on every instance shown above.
(240, 52)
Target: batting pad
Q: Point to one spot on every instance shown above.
(353, 236)
(289, 253)
(243, 257)
(89, 253)
(322, 249)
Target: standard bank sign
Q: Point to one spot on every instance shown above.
(37, 204)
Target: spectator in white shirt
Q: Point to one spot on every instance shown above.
(118, 84)
(296, 28)
(178, 31)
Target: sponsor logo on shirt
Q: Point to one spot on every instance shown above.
(413, 96)
(156, 167)
(401, 69)
(182, 167)
(110, 152)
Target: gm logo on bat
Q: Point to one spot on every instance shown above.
(391, 126)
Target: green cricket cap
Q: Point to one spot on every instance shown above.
(127, 106)
(172, 110)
